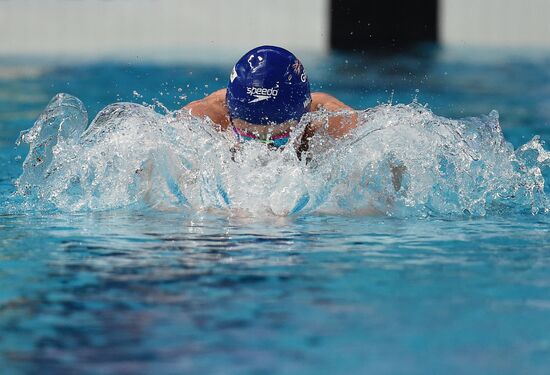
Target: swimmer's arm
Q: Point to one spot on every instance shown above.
(397, 172)
(339, 125)
(213, 107)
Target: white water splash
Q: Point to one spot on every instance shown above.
(402, 160)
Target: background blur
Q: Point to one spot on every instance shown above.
(186, 28)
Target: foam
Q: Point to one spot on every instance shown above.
(401, 161)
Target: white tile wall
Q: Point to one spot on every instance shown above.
(514, 23)
(104, 27)
(148, 28)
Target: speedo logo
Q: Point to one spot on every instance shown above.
(261, 93)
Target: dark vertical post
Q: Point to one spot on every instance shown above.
(383, 25)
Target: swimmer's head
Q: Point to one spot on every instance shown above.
(268, 85)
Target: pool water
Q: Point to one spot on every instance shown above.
(452, 276)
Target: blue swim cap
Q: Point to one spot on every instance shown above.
(268, 85)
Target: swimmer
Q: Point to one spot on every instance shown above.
(267, 95)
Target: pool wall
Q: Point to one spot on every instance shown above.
(146, 28)
(503, 23)
(138, 27)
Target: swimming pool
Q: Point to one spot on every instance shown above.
(128, 285)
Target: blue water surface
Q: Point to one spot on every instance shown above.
(139, 290)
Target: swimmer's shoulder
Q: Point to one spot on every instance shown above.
(339, 124)
(321, 100)
(213, 106)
